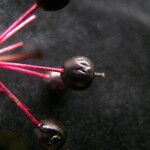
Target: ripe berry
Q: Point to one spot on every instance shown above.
(55, 82)
(52, 5)
(78, 73)
(51, 134)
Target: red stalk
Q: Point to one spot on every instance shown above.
(26, 66)
(20, 20)
(22, 56)
(19, 27)
(11, 47)
(20, 104)
(37, 74)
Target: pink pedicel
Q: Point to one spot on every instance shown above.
(11, 47)
(21, 105)
(18, 28)
(20, 20)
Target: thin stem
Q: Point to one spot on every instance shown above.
(20, 104)
(1, 90)
(34, 73)
(11, 47)
(20, 20)
(19, 27)
(22, 56)
(26, 66)
(100, 74)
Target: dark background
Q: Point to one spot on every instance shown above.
(114, 113)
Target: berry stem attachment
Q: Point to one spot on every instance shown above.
(19, 27)
(21, 105)
(34, 73)
(11, 47)
(100, 74)
(22, 56)
(20, 20)
(26, 66)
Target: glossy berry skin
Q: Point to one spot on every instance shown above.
(51, 134)
(55, 83)
(78, 73)
(52, 5)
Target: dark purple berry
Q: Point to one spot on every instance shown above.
(55, 83)
(52, 5)
(51, 134)
(78, 73)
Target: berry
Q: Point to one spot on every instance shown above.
(52, 5)
(55, 82)
(78, 73)
(51, 134)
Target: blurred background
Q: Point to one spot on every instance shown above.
(114, 113)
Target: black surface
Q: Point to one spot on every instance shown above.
(113, 113)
